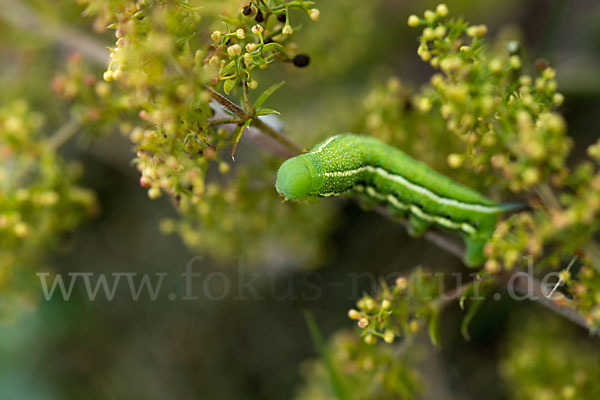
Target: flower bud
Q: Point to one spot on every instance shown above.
(287, 30)
(353, 314)
(442, 10)
(257, 29)
(388, 336)
(370, 339)
(414, 21)
(234, 50)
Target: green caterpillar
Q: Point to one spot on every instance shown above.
(384, 174)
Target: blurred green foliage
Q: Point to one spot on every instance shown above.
(544, 358)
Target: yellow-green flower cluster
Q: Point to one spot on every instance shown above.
(398, 311)
(545, 359)
(504, 116)
(257, 37)
(356, 370)
(565, 223)
(39, 200)
(389, 114)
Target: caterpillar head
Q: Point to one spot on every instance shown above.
(296, 178)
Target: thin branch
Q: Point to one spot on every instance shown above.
(528, 285)
(22, 16)
(454, 294)
(226, 103)
(440, 240)
(224, 121)
(291, 146)
(64, 133)
(247, 102)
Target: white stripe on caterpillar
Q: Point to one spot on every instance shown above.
(324, 144)
(393, 200)
(411, 186)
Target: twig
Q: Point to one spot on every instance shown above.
(226, 103)
(529, 285)
(247, 102)
(20, 15)
(224, 121)
(64, 133)
(441, 241)
(293, 148)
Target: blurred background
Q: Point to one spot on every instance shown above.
(255, 347)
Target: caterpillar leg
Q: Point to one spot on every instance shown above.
(417, 226)
(474, 251)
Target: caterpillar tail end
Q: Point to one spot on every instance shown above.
(505, 207)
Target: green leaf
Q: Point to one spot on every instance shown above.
(185, 5)
(464, 296)
(266, 111)
(237, 136)
(435, 331)
(229, 85)
(266, 94)
(464, 326)
(272, 46)
(229, 68)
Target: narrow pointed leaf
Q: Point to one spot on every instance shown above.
(237, 136)
(464, 326)
(266, 111)
(266, 94)
(271, 46)
(435, 332)
(229, 85)
(334, 375)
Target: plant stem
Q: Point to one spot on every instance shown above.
(441, 241)
(523, 284)
(247, 103)
(224, 121)
(20, 15)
